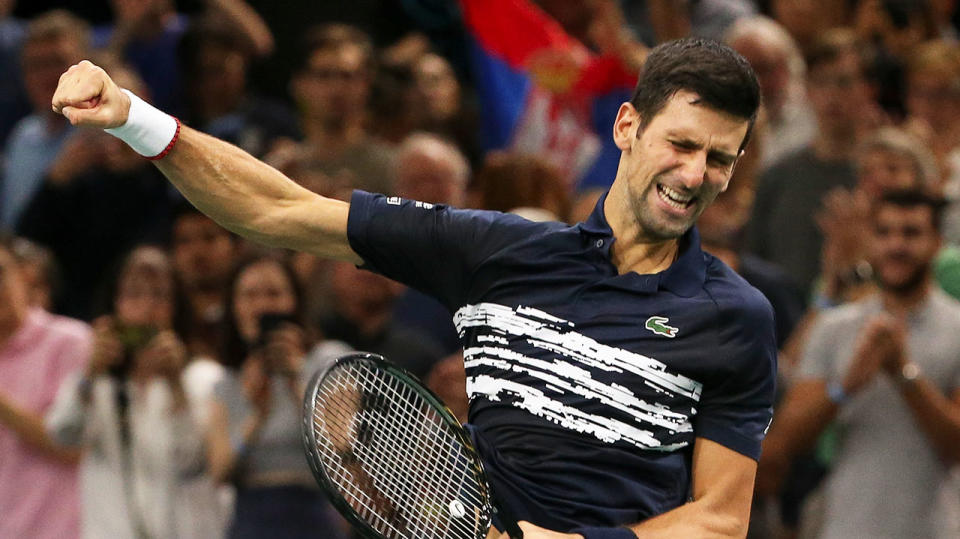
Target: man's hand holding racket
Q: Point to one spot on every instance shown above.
(88, 97)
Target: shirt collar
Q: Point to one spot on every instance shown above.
(685, 277)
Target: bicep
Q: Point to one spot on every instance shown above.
(317, 225)
(723, 481)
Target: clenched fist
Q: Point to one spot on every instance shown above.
(88, 97)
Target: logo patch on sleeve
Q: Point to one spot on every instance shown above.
(658, 325)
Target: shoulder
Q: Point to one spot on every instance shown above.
(734, 296)
(64, 328)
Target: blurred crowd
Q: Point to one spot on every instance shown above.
(152, 364)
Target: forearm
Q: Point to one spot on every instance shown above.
(937, 416)
(30, 429)
(254, 200)
(804, 415)
(693, 519)
(798, 427)
(226, 453)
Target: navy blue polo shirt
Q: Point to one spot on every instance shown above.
(587, 388)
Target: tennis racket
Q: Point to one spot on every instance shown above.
(392, 458)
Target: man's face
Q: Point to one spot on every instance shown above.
(429, 178)
(43, 62)
(677, 165)
(334, 85)
(770, 64)
(905, 242)
(203, 252)
(838, 91)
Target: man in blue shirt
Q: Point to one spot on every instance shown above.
(621, 379)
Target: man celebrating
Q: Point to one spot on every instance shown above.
(886, 371)
(620, 379)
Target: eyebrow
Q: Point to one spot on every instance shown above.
(719, 155)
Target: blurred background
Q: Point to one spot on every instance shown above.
(152, 363)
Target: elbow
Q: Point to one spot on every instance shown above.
(726, 527)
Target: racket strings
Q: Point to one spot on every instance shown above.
(428, 518)
(394, 458)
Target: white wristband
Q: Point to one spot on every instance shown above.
(148, 130)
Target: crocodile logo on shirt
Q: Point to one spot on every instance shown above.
(658, 325)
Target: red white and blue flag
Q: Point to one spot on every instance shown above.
(541, 91)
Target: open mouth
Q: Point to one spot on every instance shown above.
(673, 198)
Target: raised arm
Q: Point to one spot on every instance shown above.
(241, 193)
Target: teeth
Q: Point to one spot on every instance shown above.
(674, 198)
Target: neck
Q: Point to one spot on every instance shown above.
(901, 303)
(10, 326)
(633, 250)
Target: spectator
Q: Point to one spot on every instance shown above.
(254, 434)
(37, 350)
(933, 103)
(53, 42)
(885, 370)
(363, 306)
(145, 33)
(430, 169)
(132, 412)
(806, 20)
(203, 255)
(890, 159)
(98, 199)
(331, 90)
(509, 181)
(215, 59)
(442, 105)
(782, 229)
(656, 21)
(13, 100)
(40, 273)
(780, 68)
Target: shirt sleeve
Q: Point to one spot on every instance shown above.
(737, 403)
(432, 248)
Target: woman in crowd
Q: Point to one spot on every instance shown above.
(254, 436)
(134, 412)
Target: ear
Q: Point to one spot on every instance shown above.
(733, 171)
(625, 127)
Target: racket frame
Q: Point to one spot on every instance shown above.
(311, 444)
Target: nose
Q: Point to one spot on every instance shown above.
(693, 169)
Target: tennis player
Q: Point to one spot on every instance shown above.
(621, 379)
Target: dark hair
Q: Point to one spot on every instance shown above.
(912, 198)
(718, 74)
(333, 36)
(109, 289)
(835, 43)
(211, 32)
(233, 348)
